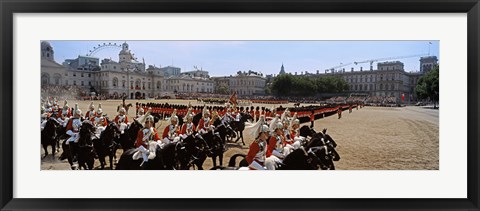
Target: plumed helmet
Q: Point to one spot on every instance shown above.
(189, 115)
(65, 105)
(296, 122)
(205, 111)
(91, 107)
(99, 110)
(174, 117)
(122, 110)
(141, 111)
(149, 118)
(279, 125)
(77, 110)
(44, 115)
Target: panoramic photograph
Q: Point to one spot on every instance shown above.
(239, 105)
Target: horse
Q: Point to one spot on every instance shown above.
(129, 136)
(106, 145)
(49, 136)
(164, 160)
(239, 126)
(178, 155)
(85, 152)
(296, 105)
(299, 159)
(126, 106)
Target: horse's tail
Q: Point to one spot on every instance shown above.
(231, 163)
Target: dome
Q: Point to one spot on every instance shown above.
(46, 46)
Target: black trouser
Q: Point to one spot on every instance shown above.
(311, 125)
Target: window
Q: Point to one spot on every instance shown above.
(114, 67)
(81, 83)
(89, 83)
(81, 75)
(66, 82)
(74, 74)
(89, 75)
(74, 83)
(66, 74)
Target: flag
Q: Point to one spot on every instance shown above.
(403, 97)
(233, 99)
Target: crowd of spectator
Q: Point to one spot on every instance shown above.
(64, 91)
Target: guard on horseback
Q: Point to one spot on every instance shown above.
(73, 126)
(65, 115)
(188, 127)
(204, 123)
(91, 113)
(275, 147)
(140, 114)
(121, 120)
(257, 151)
(171, 132)
(146, 142)
(99, 121)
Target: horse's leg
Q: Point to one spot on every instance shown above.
(53, 150)
(220, 158)
(102, 162)
(214, 160)
(241, 135)
(45, 149)
(110, 157)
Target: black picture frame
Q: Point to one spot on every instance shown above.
(9, 7)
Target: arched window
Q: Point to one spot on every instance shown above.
(159, 85)
(115, 82)
(45, 79)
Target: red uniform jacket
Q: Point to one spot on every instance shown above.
(272, 144)
(312, 117)
(184, 128)
(201, 124)
(126, 119)
(89, 114)
(166, 130)
(139, 141)
(105, 123)
(252, 153)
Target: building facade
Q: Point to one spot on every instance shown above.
(123, 78)
(243, 83)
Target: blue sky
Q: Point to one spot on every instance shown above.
(227, 57)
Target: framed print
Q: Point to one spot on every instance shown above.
(192, 86)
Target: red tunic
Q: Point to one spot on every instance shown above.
(166, 130)
(116, 119)
(184, 128)
(89, 114)
(272, 144)
(139, 141)
(105, 123)
(255, 152)
(312, 117)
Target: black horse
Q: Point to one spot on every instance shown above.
(239, 126)
(164, 160)
(179, 155)
(129, 136)
(49, 136)
(300, 159)
(106, 145)
(85, 152)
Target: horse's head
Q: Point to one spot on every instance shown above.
(245, 117)
(306, 131)
(323, 156)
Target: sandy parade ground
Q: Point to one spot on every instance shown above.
(370, 138)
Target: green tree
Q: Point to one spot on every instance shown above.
(307, 86)
(222, 90)
(428, 86)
